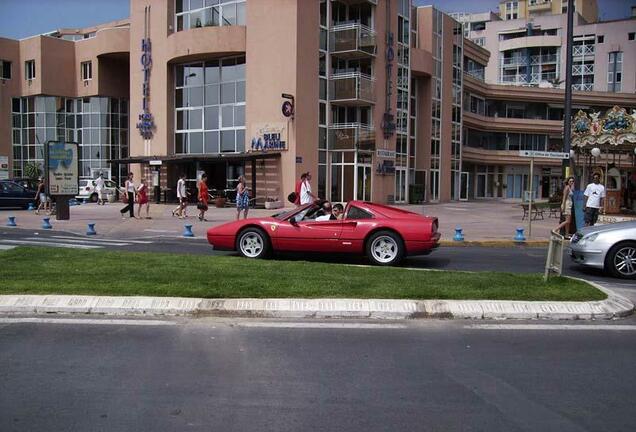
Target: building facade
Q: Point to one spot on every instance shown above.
(378, 99)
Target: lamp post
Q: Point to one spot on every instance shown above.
(567, 114)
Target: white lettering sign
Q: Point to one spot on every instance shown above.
(543, 154)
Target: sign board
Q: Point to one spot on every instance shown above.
(155, 162)
(62, 167)
(268, 137)
(543, 154)
(287, 109)
(4, 167)
(299, 159)
(385, 154)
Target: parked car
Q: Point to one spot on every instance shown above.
(27, 183)
(610, 247)
(87, 190)
(15, 195)
(384, 234)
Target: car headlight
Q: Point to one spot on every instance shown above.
(588, 239)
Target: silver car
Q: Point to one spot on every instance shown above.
(610, 247)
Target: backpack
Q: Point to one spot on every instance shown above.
(292, 197)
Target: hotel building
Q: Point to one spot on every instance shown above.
(380, 100)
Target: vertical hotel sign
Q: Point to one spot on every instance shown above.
(146, 123)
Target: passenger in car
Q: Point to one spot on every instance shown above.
(324, 213)
(334, 212)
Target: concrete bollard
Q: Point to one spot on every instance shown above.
(519, 237)
(31, 206)
(46, 224)
(187, 232)
(11, 221)
(91, 229)
(459, 236)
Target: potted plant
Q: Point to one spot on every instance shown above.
(220, 200)
(273, 203)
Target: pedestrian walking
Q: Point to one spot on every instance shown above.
(594, 196)
(306, 196)
(242, 198)
(566, 206)
(299, 185)
(202, 204)
(129, 194)
(40, 194)
(182, 196)
(99, 188)
(142, 199)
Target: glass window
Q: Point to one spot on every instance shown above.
(211, 142)
(211, 118)
(196, 142)
(228, 141)
(227, 116)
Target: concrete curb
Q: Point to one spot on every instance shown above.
(494, 243)
(615, 306)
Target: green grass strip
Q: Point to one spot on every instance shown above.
(33, 270)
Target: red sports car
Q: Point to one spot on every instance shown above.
(384, 234)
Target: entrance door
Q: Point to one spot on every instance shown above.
(363, 183)
(464, 186)
(400, 185)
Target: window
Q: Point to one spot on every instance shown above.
(358, 213)
(630, 36)
(87, 70)
(512, 10)
(600, 39)
(209, 13)
(29, 69)
(615, 71)
(5, 69)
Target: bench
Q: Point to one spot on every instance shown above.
(539, 209)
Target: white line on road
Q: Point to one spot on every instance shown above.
(584, 327)
(86, 321)
(104, 240)
(160, 231)
(79, 241)
(54, 244)
(320, 325)
(6, 247)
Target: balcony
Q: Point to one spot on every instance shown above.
(582, 50)
(583, 87)
(583, 69)
(515, 79)
(351, 136)
(544, 59)
(539, 5)
(514, 61)
(352, 41)
(354, 89)
(354, 2)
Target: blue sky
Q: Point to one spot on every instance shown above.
(23, 18)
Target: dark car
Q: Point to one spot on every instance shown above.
(15, 195)
(27, 183)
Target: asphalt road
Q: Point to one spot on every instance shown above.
(257, 375)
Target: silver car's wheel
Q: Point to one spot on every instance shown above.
(253, 243)
(621, 260)
(385, 248)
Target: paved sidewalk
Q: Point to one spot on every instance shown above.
(482, 221)
(615, 306)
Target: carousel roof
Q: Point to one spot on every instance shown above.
(615, 131)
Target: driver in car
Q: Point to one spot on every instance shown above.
(330, 213)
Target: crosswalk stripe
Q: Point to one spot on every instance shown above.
(74, 240)
(106, 240)
(54, 244)
(558, 327)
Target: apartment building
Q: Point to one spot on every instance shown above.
(380, 100)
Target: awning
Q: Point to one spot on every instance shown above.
(513, 31)
(219, 157)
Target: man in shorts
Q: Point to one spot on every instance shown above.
(594, 196)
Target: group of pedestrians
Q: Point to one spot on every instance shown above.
(594, 196)
(135, 194)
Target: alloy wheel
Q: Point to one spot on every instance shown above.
(251, 245)
(625, 261)
(384, 249)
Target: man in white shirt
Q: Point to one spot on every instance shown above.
(182, 196)
(594, 196)
(99, 188)
(306, 196)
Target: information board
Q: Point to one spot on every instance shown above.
(62, 168)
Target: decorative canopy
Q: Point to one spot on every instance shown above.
(615, 130)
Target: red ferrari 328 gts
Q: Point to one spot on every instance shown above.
(384, 234)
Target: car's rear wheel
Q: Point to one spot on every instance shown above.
(621, 260)
(253, 243)
(385, 248)
(93, 198)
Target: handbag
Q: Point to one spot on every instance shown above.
(201, 206)
(124, 198)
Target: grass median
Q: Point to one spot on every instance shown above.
(32, 270)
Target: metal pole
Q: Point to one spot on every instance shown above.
(567, 113)
(531, 198)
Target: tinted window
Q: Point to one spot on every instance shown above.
(358, 213)
(12, 187)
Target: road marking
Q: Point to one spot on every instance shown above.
(160, 231)
(320, 325)
(53, 244)
(6, 247)
(104, 240)
(79, 241)
(585, 327)
(86, 321)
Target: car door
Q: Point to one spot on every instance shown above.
(15, 195)
(306, 235)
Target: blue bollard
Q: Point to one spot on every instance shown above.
(31, 206)
(519, 237)
(46, 224)
(11, 221)
(187, 232)
(459, 236)
(91, 229)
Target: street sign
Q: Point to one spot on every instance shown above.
(543, 154)
(383, 153)
(155, 162)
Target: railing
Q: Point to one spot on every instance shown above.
(537, 5)
(349, 136)
(515, 61)
(353, 86)
(536, 78)
(582, 50)
(476, 73)
(543, 59)
(352, 39)
(583, 87)
(515, 79)
(585, 69)
(375, 2)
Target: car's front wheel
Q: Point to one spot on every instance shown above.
(253, 243)
(385, 248)
(93, 198)
(621, 260)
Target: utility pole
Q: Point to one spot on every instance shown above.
(567, 112)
